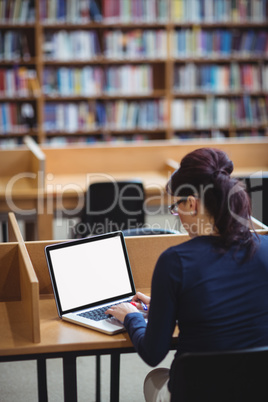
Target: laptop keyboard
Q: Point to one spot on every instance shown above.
(99, 313)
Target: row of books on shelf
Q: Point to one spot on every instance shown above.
(135, 10)
(144, 115)
(14, 45)
(142, 11)
(109, 11)
(92, 81)
(65, 81)
(15, 118)
(17, 11)
(219, 112)
(191, 77)
(97, 81)
(19, 82)
(219, 10)
(69, 11)
(84, 45)
(71, 45)
(119, 115)
(125, 11)
(199, 42)
(135, 44)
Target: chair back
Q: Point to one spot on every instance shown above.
(257, 188)
(111, 206)
(232, 376)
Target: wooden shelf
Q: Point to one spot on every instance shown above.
(240, 127)
(256, 58)
(222, 94)
(16, 25)
(103, 25)
(103, 97)
(102, 60)
(220, 24)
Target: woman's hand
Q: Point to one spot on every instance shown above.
(140, 297)
(120, 311)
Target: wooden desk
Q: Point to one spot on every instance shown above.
(68, 172)
(59, 338)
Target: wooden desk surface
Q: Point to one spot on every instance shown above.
(60, 336)
(56, 334)
(22, 189)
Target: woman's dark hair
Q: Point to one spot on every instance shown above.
(205, 173)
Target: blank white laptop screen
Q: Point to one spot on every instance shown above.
(89, 271)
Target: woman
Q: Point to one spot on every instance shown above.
(215, 285)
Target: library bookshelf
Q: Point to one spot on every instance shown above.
(108, 70)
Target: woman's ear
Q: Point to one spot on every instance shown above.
(193, 205)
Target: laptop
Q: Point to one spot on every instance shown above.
(88, 275)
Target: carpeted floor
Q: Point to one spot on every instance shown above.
(18, 380)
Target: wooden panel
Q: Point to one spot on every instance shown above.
(9, 272)
(29, 292)
(14, 233)
(143, 253)
(106, 158)
(14, 161)
(36, 252)
(19, 294)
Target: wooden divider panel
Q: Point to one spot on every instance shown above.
(143, 253)
(14, 233)
(148, 157)
(29, 292)
(36, 252)
(9, 273)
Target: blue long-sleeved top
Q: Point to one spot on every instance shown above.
(218, 302)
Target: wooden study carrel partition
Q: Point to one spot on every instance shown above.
(26, 292)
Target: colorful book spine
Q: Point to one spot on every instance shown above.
(117, 116)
